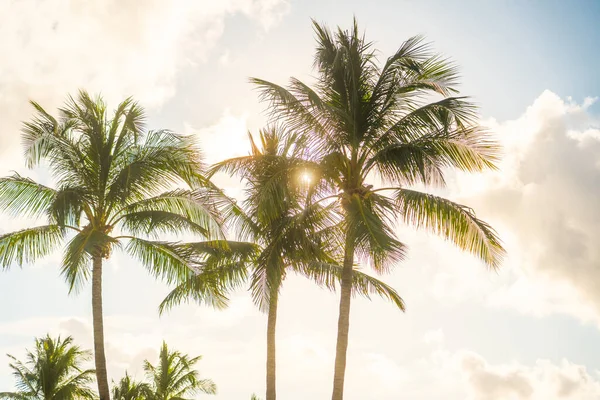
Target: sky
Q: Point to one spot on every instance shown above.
(530, 331)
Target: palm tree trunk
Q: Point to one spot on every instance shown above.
(98, 322)
(343, 323)
(271, 359)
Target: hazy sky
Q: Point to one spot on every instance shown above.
(528, 332)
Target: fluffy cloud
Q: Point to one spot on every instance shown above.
(466, 375)
(542, 381)
(544, 201)
(121, 48)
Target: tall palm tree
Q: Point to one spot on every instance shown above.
(401, 124)
(174, 377)
(115, 185)
(129, 389)
(279, 229)
(52, 371)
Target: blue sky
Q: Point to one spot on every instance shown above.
(529, 331)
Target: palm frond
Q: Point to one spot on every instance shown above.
(329, 275)
(76, 265)
(129, 389)
(223, 268)
(154, 223)
(174, 376)
(168, 261)
(53, 370)
(452, 221)
(21, 196)
(180, 209)
(283, 104)
(171, 156)
(68, 205)
(28, 245)
(368, 222)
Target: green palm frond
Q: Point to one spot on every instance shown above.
(329, 275)
(24, 197)
(223, 268)
(198, 288)
(172, 156)
(174, 377)
(369, 224)
(52, 371)
(422, 119)
(154, 223)
(15, 396)
(128, 389)
(174, 211)
(168, 261)
(29, 245)
(424, 159)
(69, 163)
(284, 104)
(67, 206)
(78, 255)
(127, 125)
(452, 221)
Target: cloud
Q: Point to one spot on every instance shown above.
(542, 381)
(544, 202)
(226, 138)
(116, 47)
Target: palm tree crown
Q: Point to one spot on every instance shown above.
(129, 389)
(52, 371)
(174, 377)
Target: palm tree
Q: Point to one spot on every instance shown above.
(53, 371)
(400, 124)
(174, 377)
(115, 185)
(129, 389)
(280, 230)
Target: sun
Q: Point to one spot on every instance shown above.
(306, 178)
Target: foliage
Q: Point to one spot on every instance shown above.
(52, 371)
(174, 377)
(115, 183)
(400, 123)
(129, 389)
(117, 186)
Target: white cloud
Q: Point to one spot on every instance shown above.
(226, 138)
(434, 337)
(542, 381)
(544, 202)
(53, 47)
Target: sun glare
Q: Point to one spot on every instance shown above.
(306, 178)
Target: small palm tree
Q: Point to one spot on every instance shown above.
(115, 185)
(281, 231)
(174, 377)
(53, 371)
(401, 124)
(129, 389)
